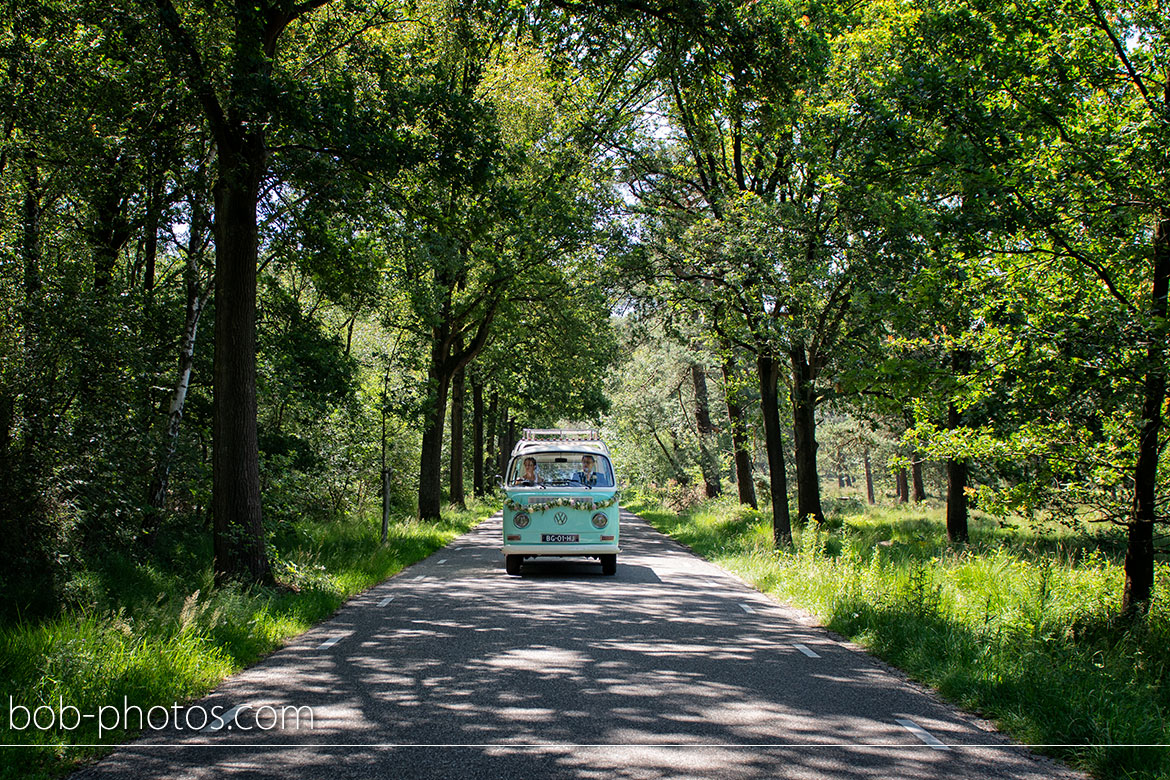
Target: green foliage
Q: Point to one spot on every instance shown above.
(651, 427)
(160, 639)
(1020, 626)
(1050, 256)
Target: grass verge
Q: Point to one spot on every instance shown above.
(1019, 626)
(171, 639)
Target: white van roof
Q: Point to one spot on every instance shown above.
(559, 440)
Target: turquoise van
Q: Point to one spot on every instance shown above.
(560, 499)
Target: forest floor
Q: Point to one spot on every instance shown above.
(1022, 625)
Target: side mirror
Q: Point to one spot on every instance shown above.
(500, 481)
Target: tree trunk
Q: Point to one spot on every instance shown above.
(956, 500)
(150, 240)
(1139, 554)
(25, 537)
(743, 456)
(491, 457)
(456, 494)
(30, 252)
(505, 445)
(680, 476)
(238, 124)
(868, 477)
(477, 487)
(808, 483)
(901, 487)
(511, 439)
(739, 434)
(709, 459)
(507, 428)
(238, 528)
(448, 358)
(111, 228)
(956, 467)
(768, 372)
(430, 484)
(31, 396)
(384, 453)
(916, 478)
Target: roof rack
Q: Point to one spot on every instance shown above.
(559, 434)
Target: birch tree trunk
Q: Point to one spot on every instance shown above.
(158, 490)
(196, 302)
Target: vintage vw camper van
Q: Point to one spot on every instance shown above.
(561, 499)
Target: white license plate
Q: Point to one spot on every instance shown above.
(559, 537)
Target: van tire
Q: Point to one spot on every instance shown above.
(609, 565)
(512, 564)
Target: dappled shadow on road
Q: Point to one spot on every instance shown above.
(671, 665)
(584, 762)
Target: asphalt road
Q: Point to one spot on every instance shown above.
(671, 669)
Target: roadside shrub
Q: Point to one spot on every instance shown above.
(679, 497)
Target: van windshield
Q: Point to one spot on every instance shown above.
(579, 469)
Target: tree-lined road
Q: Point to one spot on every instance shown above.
(673, 668)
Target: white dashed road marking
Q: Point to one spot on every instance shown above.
(746, 608)
(331, 641)
(385, 601)
(442, 561)
(921, 733)
(226, 719)
(804, 649)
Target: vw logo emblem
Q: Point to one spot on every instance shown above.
(560, 518)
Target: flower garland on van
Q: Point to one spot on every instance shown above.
(583, 504)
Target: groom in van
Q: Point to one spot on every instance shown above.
(586, 476)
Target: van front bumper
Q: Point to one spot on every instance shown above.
(558, 550)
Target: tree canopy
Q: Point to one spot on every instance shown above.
(268, 260)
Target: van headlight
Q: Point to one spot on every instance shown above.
(521, 520)
(600, 520)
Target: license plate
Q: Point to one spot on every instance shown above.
(559, 537)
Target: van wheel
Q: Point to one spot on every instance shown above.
(512, 564)
(609, 565)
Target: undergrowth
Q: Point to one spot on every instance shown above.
(1020, 625)
(157, 638)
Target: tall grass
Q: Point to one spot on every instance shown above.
(158, 638)
(1021, 626)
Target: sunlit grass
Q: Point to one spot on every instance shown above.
(174, 642)
(1021, 626)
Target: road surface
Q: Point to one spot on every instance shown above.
(671, 669)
